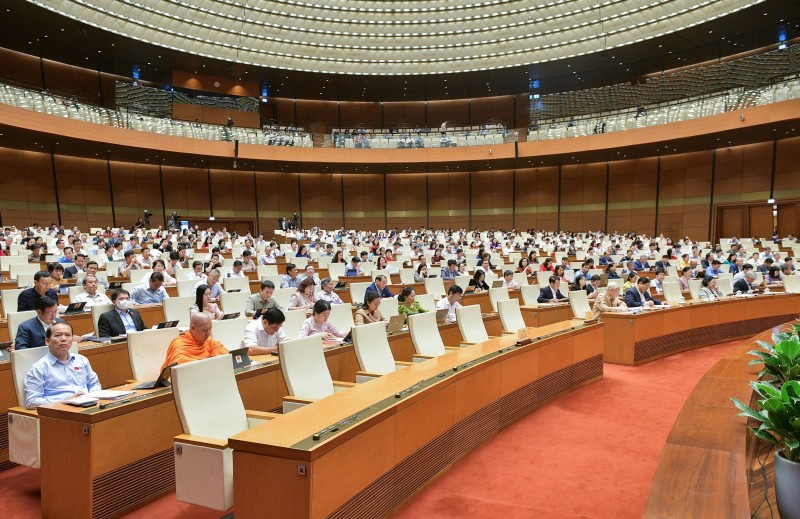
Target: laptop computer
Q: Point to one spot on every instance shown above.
(167, 324)
(441, 316)
(396, 324)
(234, 290)
(161, 381)
(234, 315)
(63, 290)
(497, 283)
(259, 313)
(240, 358)
(5, 355)
(340, 285)
(115, 285)
(75, 308)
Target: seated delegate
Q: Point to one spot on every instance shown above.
(121, 319)
(196, 344)
(262, 336)
(318, 323)
(639, 296)
(32, 333)
(551, 293)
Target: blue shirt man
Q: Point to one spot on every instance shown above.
(715, 270)
(291, 279)
(451, 271)
(60, 374)
(153, 292)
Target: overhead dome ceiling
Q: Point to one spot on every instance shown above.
(392, 37)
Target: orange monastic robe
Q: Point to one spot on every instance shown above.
(185, 348)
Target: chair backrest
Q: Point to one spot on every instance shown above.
(342, 315)
(521, 278)
(372, 349)
(725, 285)
(543, 278)
(112, 268)
(275, 278)
(406, 276)
(357, 291)
(672, 292)
(25, 279)
(266, 270)
(283, 295)
(425, 334)
(242, 284)
(694, 288)
(74, 292)
(177, 309)
(335, 270)
(463, 281)
(147, 350)
(137, 276)
(304, 368)
(10, 298)
(435, 287)
(294, 320)
(22, 361)
(389, 307)
(497, 294)
(233, 301)
(383, 272)
(7, 261)
(182, 274)
(530, 294)
(229, 332)
(579, 301)
(470, 323)
(186, 287)
(790, 283)
(510, 315)
(17, 318)
(426, 301)
(15, 269)
(207, 398)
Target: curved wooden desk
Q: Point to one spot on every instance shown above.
(633, 339)
(705, 467)
(397, 432)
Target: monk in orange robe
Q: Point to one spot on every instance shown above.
(196, 344)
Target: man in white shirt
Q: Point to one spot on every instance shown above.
(236, 271)
(248, 265)
(327, 293)
(90, 295)
(451, 302)
(268, 258)
(197, 272)
(310, 273)
(262, 336)
(91, 270)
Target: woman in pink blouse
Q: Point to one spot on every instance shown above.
(304, 298)
(318, 323)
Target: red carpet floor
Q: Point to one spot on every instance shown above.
(591, 453)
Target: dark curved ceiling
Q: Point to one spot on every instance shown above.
(33, 30)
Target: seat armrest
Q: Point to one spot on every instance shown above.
(23, 411)
(419, 358)
(203, 441)
(402, 363)
(493, 337)
(365, 376)
(452, 348)
(341, 386)
(299, 399)
(465, 344)
(509, 333)
(261, 415)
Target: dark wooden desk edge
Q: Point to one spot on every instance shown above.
(717, 493)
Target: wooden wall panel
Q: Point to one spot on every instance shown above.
(363, 201)
(83, 191)
(186, 191)
(321, 195)
(760, 220)
(28, 193)
(583, 196)
(632, 195)
(406, 200)
(537, 198)
(743, 173)
(217, 84)
(360, 115)
(788, 218)
(455, 112)
(787, 168)
(448, 200)
(684, 195)
(522, 114)
(317, 116)
(136, 187)
(76, 81)
(211, 115)
(277, 196)
(285, 111)
(24, 68)
(492, 110)
(492, 199)
(404, 114)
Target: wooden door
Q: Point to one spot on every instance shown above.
(731, 221)
(788, 218)
(761, 221)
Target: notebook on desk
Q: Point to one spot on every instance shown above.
(441, 316)
(240, 358)
(234, 315)
(396, 324)
(161, 381)
(75, 308)
(167, 324)
(497, 283)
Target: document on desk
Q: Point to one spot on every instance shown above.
(108, 394)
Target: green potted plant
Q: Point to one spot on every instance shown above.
(781, 360)
(778, 420)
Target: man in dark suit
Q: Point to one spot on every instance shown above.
(379, 286)
(639, 296)
(121, 319)
(31, 333)
(744, 284)
(641, 264)
(79, 266)
(664, 263)
(41, 287)
(551, 294)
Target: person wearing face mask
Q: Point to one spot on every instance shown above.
(121, 319)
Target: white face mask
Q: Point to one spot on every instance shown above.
(122, 305)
